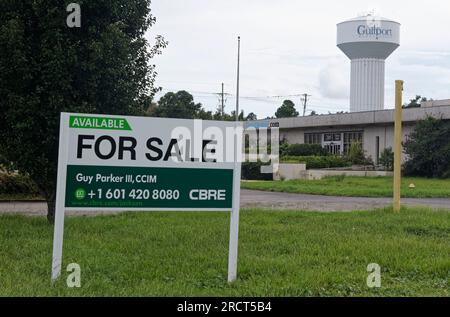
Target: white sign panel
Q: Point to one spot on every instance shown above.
(128, 163)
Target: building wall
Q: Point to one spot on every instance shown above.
(293, 136)
(386, 137)
(384, 132)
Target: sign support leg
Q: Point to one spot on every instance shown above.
(60, 199)
(234, 221)
(58, 240)
(234, 226)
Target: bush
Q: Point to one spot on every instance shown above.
(304, 150)
(284, 148)
(16, 184)
(5, 166)
(252, 171)
(357, 156)
(317, 162)
(387, 159)
(428, 149)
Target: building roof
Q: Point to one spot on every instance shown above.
(354, 118)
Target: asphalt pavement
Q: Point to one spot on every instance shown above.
(266, 200)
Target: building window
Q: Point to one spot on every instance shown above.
(313, 138)
(350, 137)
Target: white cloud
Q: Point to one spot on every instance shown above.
(334, 80)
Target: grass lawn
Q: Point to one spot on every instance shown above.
(357, 187)
(185, 254)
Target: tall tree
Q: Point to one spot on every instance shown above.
(178, 105)
(428, 149)
(287, 110)
(47, 67)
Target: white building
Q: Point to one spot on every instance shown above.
(375, 129)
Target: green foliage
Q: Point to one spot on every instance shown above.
(317, 162)
(251, 117)
(14, 185)
(284, 148)
(305, 150)
(5, 165)
(428, 149)
(47, 67)
(338, 178)
(357, 156)
(178, 105)
(181, 105)
(358, 187)
(287, 110)
(252, 171)
(229, 117)
(387, 159)
(415, 103)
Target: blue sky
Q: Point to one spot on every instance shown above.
(289, 47)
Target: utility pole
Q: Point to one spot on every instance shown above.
(305, 100)
(223, 101)
(237, 82)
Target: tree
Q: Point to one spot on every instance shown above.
(428, 149)
(178, 105)
(251, 117)
(229, 117)
(47, 67)
(415, 103)
(286, 110)
(241, 116)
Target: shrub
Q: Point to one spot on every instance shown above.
(252, 171)
(317, 162)
(5, 166)
(428, 149)
(357, 156)
(387, 159)
(305, 150)
(284, 148)
(16, 184)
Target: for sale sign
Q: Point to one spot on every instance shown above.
(146, 164)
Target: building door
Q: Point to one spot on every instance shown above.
(334, 149)
(332, 142)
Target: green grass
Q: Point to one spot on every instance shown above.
(357, 187)
(185, 254)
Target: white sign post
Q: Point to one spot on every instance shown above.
(120, 163)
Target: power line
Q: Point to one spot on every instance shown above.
(268, 99)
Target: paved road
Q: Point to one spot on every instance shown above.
(270, 200)
(253, 198)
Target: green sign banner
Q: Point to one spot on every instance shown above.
(102, 123)
(142, 187)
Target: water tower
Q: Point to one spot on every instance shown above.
(368, 41)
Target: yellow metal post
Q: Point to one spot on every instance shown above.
(398, 144)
